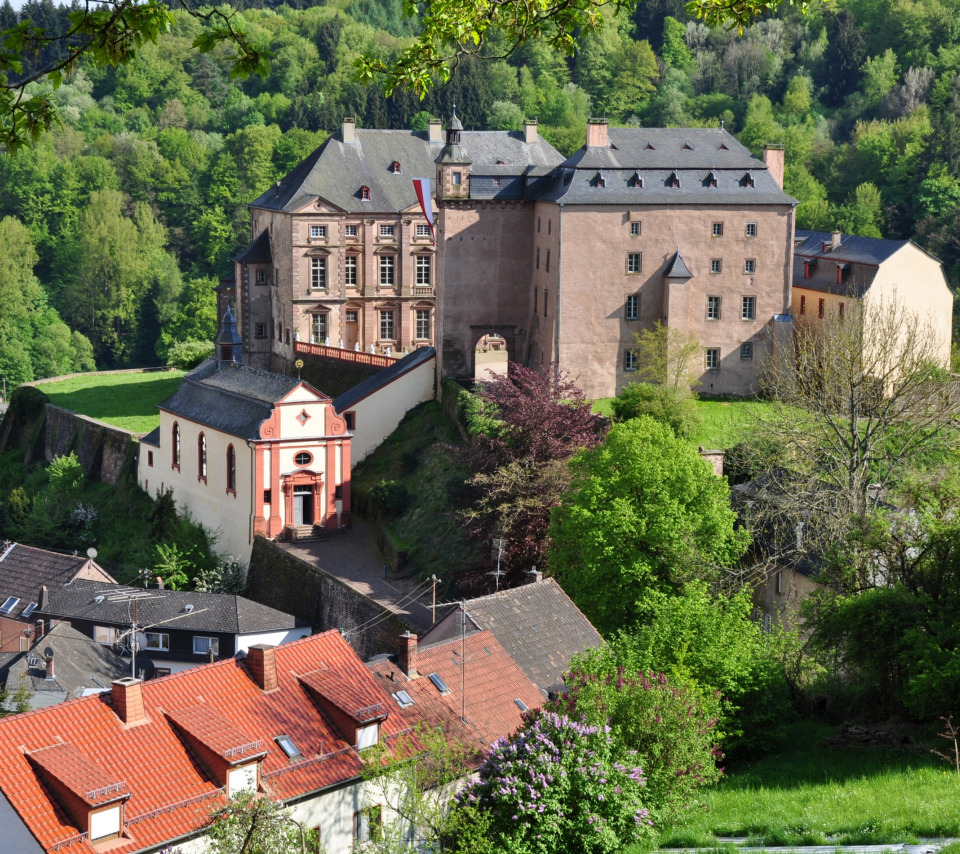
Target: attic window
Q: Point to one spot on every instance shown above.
(687, 147)
(636, 180)
(500, 163)
(285, 743)
(649, 147)
(842, 271)
(364, 194)
(599, 180)
(303, 417)
(439, 684)
(748, 180)
(723, 147)
(9, 605)
(242, 779)
(403, 699)
(395, 167)
(674, 180)
(521, 705)
(711, 180)
(28, 611)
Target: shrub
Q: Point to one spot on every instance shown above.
(557, 786)
(677, 409)
(66, 474)
(188, 354)
(390, 496)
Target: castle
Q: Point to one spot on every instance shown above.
(565, 259)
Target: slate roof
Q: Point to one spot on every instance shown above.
(492, 682)
(258, 252)
(25, 569)
(211, 612)
(367, 163)
(538, 625)
(676, 269)
(80, 665)
(381, 378)
(171, 794)
(862, 255)
(655, 154)
(232, 398)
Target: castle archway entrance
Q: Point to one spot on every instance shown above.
(492, 352)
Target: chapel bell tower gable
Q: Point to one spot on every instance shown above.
(453, 165)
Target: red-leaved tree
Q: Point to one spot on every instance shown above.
(532, 422)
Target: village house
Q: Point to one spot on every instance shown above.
(175, 629)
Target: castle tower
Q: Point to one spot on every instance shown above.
(453, 164)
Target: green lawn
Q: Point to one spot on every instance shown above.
(124, 400)
(723, 420)
(808, 794)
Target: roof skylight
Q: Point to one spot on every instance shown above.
(439, 684)
(521, 705)
(8, 606)
(403, 699)
(28, 611)
(285, 743)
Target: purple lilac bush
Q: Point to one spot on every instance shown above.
(556, 786)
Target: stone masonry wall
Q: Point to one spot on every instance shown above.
(101, 448)
(283, 581)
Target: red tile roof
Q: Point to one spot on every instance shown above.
(87, 780)
(170, 793)
(215, 732)
(484, 691)
(360, 700)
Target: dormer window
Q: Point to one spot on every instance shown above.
(599, 180)
(649, 147)
(723, 147)
(395, 167)
(748, 180)
(674, 181)
(687, 147)
(636, 180)
(242, 779)
(364, 194)
(368, 736)
(711, 180)
(842, 272)
(809, 265)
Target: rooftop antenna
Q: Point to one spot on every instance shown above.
(497, 553)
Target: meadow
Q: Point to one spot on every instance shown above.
(126, 400)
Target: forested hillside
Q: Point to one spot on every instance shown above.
(116, 226)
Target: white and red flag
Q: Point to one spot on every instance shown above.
(422, 187)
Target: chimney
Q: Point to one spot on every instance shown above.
(596, 133)
(44, 597)
(158, 583)
(128, 700)
(835, 242)
(435, 131)
(50, 675)
(407, 657)
(530, 135)
(534, 575)
(775, 158)
(348, 130)
(262, 664)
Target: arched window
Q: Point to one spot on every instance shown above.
(176, 445)
(231, 469)
(202, 457)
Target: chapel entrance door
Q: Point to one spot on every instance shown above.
(302, 505)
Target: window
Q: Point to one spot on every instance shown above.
(635, 228)
(548, 258)
(202, 457)
(261, 277)
(521, 705)
(386, 271)
(280, 332)
(751, 229)
(803, 305)
(105, 824)
(538, 225)
(318, 231)
(242, 779)
(629, 361)
(260, 330)
(366, 824)
(267, 496)
(104, 635)
(368, 736)
(386, 230)
(28, 611)
(767, 622)
(715, 265)
(364, 194)
(423, 270)
(631, 310)
(158, 640)
(318, 273)
(748, 180)
(438, 683)
(779, 582)
(231, 469)
(286, 744)
(423, 323)
(386, 325)
(634, 262)
(711, 180)
(352, 316)
(204, 646)
(546, 301)
(150, 458)
(404, 700)
(350, 271)
(423, 229)
(395, 167)
(176, 445)
(160, 671)
(713, 308)
(496, 182)
(9, 605)
(351, 419)
(536, 299)
(351, 230)
(749, 266)
(457, 179)
(318, 328)
(718, 229)
(549, 226)
(303, 458)
(746, 350)
(712, 358)
(748, 308)
(821, 308)
(538, 257)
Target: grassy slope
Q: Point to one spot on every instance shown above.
(418, 454)
(124, 400)
(810, 794)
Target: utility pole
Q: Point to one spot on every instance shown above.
(434, 577)
(463, 661)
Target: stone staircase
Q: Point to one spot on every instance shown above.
(307, 533)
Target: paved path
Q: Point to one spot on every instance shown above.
(353, 557)
(926, 846)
